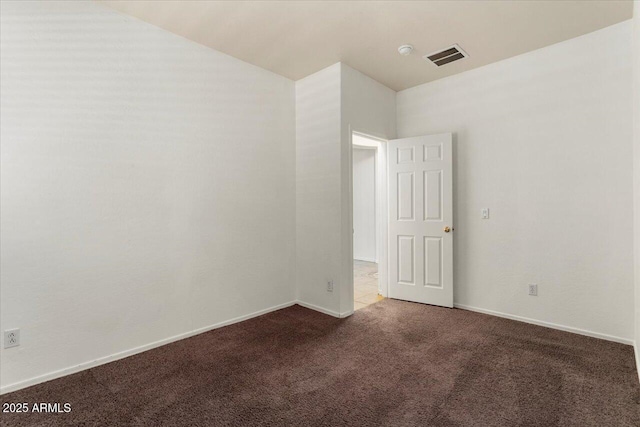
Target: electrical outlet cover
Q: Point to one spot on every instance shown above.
(533, 290)
(11, 338)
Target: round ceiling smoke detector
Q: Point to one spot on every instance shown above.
(405, 49)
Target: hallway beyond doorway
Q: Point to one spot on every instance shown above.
(365, 284)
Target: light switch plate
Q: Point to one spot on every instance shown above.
(485, 213)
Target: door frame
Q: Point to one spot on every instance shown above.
(381, 211)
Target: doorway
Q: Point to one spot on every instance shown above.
(366, 204)
(413, 216)
(421, 219)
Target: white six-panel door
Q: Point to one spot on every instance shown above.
(421, 219)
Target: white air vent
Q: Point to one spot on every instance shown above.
(446, 55)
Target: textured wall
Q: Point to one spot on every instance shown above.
(148, 186)
(329, 105)
(636, 168)
(544, 141)
(367, 107)
(364, 205)
(318, 209)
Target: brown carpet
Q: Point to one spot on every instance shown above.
(392, 364)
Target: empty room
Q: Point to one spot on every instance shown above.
(320, 213)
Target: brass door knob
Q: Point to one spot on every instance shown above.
(447, 229)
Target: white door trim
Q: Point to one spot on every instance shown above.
(381, 197)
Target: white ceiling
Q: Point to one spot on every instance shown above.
(298, 38)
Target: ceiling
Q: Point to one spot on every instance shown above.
(298, 38)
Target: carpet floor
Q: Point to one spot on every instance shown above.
(392, 363)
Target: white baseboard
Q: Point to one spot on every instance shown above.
(549, 325)
(121, 355)
(324, 310)
(318, 308)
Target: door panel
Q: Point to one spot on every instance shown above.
(432, 195)
(406, 260)
(421, 206)
(405, 196)
(405, 155)
(433, 261)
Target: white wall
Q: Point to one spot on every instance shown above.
(329, 105)
(636, 170)
(148, 186)
(364, 204)
(368, 107)
(318, 255)
(544, 141)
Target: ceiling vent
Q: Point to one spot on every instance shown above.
(446, 55)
